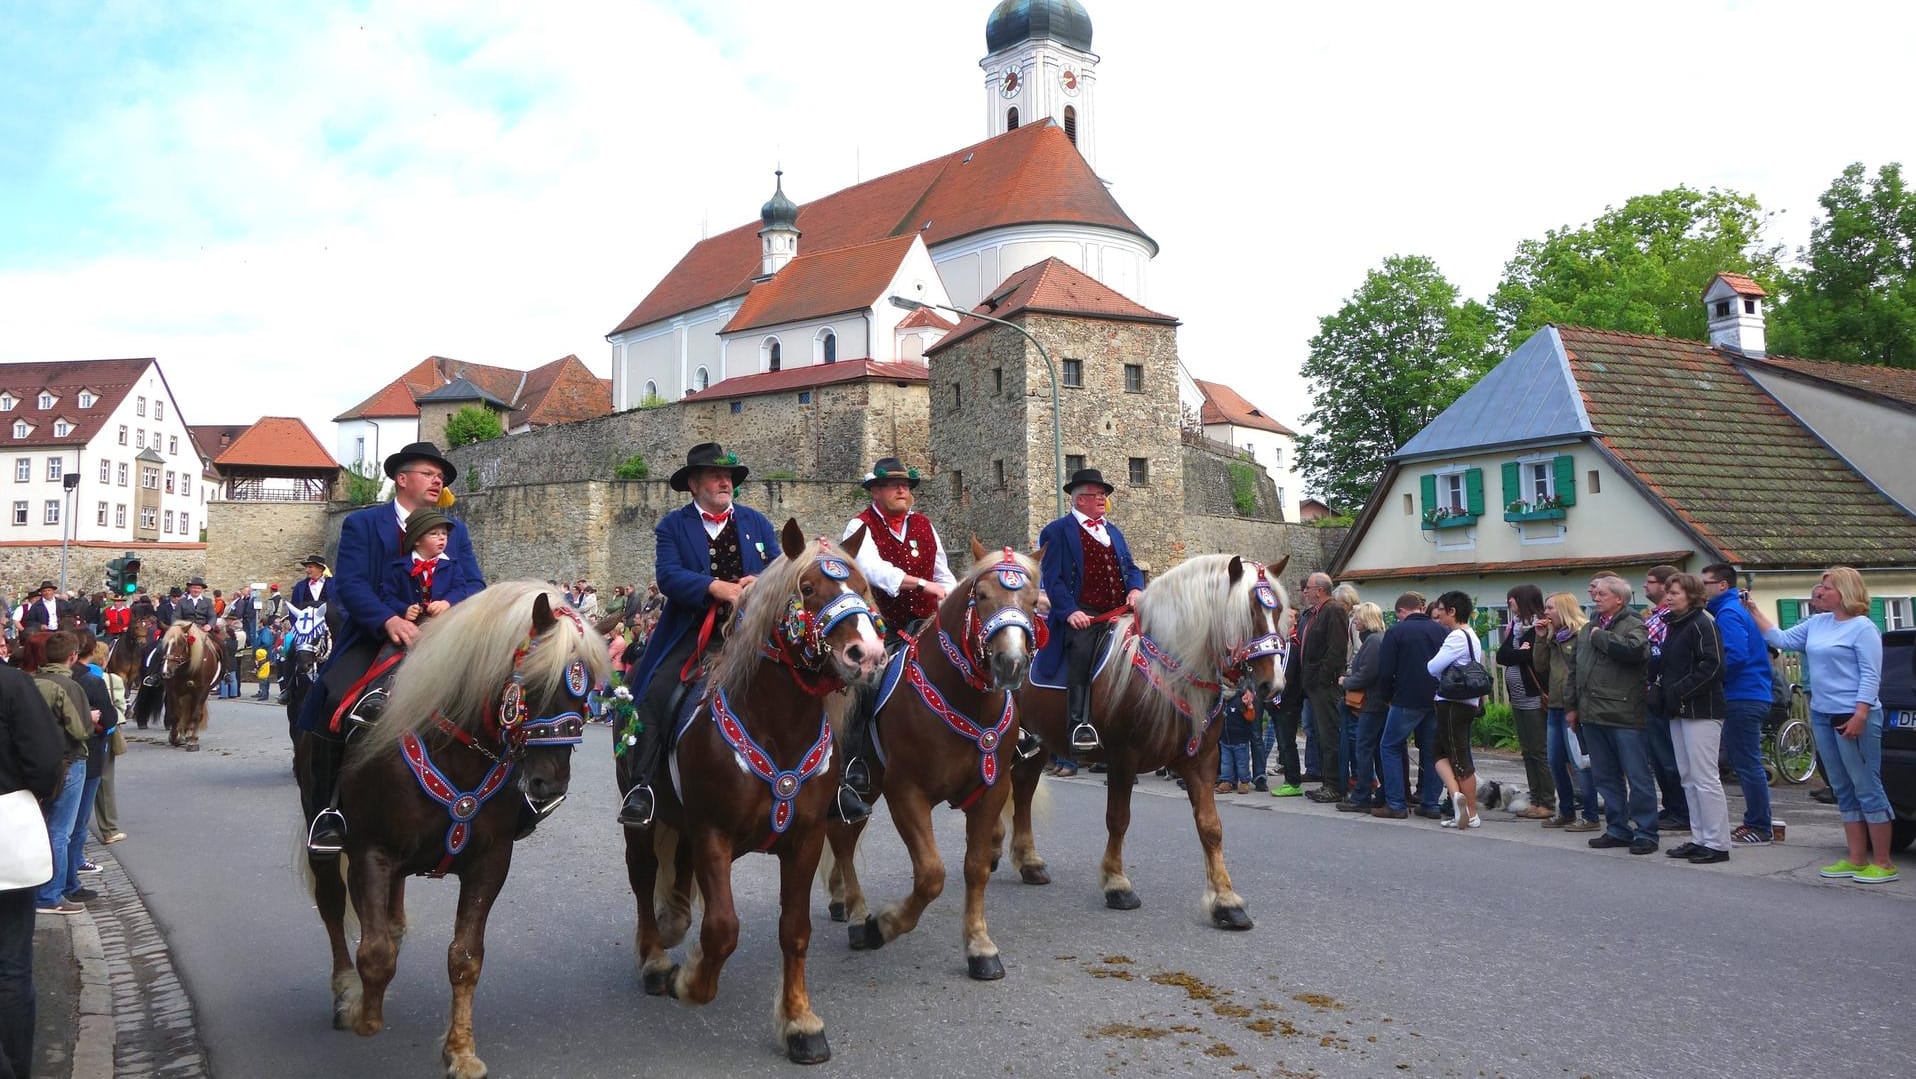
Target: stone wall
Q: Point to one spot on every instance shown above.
(1309, 548)
(1210, 485)
(24, 565)
(262, 542)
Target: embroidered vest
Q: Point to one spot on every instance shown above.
(1103, 585)
(916, 554)
(728, 563)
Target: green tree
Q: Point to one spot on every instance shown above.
(1852, 294)
(633, 468)
(1399, 351)
(1638, 268)
(473, 423)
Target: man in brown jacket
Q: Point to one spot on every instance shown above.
(1324, 641)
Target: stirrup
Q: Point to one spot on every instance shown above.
(315, 845)
(630, 816)
(1029, 744)
(848, 807)
(1085, 736)
(858, 777)
(366, 710)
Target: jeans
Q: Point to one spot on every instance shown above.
(1234, 762)
(61, 816)
(229, 685)
(1576, 787)
(1743, 744)
(76, 846)
(1400, 724)
(1347, 748)
(1370, 731)
(1854, 766)
(1312, 758)
(16, 983)
(265, 688)
(1661, 750)
(1622, 769)
(1261, 743)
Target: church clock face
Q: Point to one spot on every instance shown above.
(1008, 86)
(1069, 80)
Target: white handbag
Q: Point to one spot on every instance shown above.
(26, 856)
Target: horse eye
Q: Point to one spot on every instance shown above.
(805, 588)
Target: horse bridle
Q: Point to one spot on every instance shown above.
(800, 641)
(970, 658)
(1233, 664)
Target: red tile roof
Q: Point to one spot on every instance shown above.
(811, 376)
(1896, 383)
(1222, 404)
(1743, 286)
(1032, 175)
(213, 438)
(1735, 467)
(1052, 287)
(560, 392)
(556, 392)
(1531, 565)
(925, 318)
(826, 283)
(275, 442)
(108, 380)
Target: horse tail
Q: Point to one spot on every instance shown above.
(309, 879)
(1040, 805)
(146, 704)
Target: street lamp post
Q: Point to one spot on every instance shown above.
(1057, 410)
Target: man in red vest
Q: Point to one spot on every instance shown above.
(904, 560)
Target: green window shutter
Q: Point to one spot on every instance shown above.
(1513, 483)
(1788, 612)
(1565, 467)
(1428, 486)
(1879, 614)
(1474, 492)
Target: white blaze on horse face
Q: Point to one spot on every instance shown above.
(872, 649)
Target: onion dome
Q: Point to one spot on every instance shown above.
(779, 212)
(1014, 22)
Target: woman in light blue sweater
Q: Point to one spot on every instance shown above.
(1843, 659)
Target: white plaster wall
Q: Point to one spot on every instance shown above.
(976, 265)
(1875, 438)
(797, 346)
(383, 438)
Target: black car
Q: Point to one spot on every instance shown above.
(1899, 732)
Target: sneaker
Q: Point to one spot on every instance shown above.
(1708, 856)
(1559, 822)
(1643, 845)
(82, 895)
(1287, 790)
(1876, 874)
(1224, 786)
(1388, 813)
(1323, 795)
(1841, 869)
(89, 868)
(1607, 841)
(1581, 825)
(1242, 788)
(1348, 806)
(64, 906)
(1260, 786)
(1749, 837)
(114, 838)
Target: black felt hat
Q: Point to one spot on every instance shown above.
(1084, 476)
(890, 468)
(708, 455)
(420, 451)
(315, 559)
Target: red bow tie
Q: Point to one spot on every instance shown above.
(422, 569)
(716, 518)
(1094, 522)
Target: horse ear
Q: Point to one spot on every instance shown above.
(1038, 555)
(977, 549)
(542, 617)
(1276, 569)
(854, 541)
(792, 538)
(1237, 568)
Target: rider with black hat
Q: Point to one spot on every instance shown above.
(369, 540)
(1087, 572)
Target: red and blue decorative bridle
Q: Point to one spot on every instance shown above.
(970, 659)
(1151, 658)
(513, 731)
(799, 642)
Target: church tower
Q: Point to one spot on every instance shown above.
(778, 240)
(1039, 65)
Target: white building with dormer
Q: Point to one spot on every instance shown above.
(797, 286)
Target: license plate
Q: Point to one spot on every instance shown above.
(1903, 719)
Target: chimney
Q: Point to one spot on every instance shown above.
(1733, 307)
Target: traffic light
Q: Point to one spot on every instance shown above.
(113, 576)
(129, 576)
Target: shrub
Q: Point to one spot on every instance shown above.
(653, 400)
(1243, 488)
(473, 423)
(633, 468)
(363, 483)
(1496, 729)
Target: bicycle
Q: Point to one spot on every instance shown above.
(1789, 750)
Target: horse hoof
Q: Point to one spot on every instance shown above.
(1122, 899)
(192, 747)
(807, 1048)
(1034, 874)
(836, 911)
(984, 968)
(342, 1015)
(657, 983)
(866, 936)
(671, 979)
(1230, 918)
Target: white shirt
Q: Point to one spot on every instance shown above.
(713, 528)
(316, 587)
(887, 577)
(1460, 647)
(1098, 532)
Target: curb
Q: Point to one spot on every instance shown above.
(95, 1035)
(136, 1019)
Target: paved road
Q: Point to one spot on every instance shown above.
(1382, 948)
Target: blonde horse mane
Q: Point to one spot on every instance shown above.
(464, 657)
(760, 608)
(1196, 614)
(196, 643)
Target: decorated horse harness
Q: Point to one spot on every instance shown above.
(1159, 668)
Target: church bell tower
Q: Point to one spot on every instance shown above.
(1039, 65)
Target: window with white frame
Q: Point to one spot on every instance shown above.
(123, 434)
(86, 401)
(21, 428)
(53, 511)
(186, 483)
(46, 400)
(119, 471)
(1539, 480)
(20, 512)
(183, 529)
(159, 410)
(168, 519)
(149, 517)
(55, 468)
(172, 443)
(7, 401)
(100, 518)
(169, 481)
(1451, 492)
(119, 515)
(22, 469)
(768, 354)
(106, 471)
(62, 428)
(701, 378)
(139, 439)
(1897, 613)
(149, 477)
(140, 406)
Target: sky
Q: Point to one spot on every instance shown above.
(290, 204)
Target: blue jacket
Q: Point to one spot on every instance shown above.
(1746, 658)
(684, 567)
(369, 543)
(1062, 575)
(452, 580)
(1403, 673)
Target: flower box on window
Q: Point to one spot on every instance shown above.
(1443, 518)
(1543, 509)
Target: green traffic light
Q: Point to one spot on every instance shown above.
(130, 588)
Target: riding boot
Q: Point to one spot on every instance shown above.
(848, 806)
(1029, 745)
(857, 744)
(327, 834)
(639, 802)
(1078, 706)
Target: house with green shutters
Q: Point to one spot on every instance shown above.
(1587, 450)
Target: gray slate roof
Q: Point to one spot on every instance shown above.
(461, 389)
(1529, 397)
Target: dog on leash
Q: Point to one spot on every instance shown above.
(1509, 797)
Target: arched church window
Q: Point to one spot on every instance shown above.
(1071, 123)
(827, 346)
(768, 354)
(1011, 118)
(651, 389)
(701, 379)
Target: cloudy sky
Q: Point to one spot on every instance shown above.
(289, 204)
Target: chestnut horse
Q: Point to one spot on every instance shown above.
(947, 732)
(1208, 628)
(490, 700)
(754, 770)
(189, 667)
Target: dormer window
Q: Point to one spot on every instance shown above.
(21, 429)
(61, 428)
(7, 401)
(87, 398)
(46, 400)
